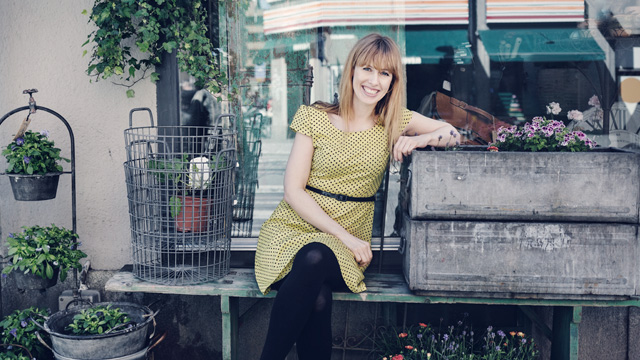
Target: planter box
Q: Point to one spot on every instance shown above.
(528, 260)
(512, 186)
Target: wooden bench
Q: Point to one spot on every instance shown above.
(383, 288)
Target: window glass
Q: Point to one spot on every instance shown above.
(508, 59)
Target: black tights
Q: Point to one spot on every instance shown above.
(301, 311)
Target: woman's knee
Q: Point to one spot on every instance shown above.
(315, 255)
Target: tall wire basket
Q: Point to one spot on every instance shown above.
(180, 190)
(246, 181)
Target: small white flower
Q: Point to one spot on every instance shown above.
(553, 108)
(200, 173)
(55, 263)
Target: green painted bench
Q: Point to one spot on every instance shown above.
(384, 288)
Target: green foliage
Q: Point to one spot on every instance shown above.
(169, 169)
(155, 27)
(422, 342)
(33, 153)
(17, 328)
(39, 250)
(99, 320)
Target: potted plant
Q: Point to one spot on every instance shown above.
(18, 335)
(540, 201)
(192, 210)
(38, 254)
(33, 167)
(86, 332)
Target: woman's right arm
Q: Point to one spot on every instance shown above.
(295, 180)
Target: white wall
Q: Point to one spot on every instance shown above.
(40, 47)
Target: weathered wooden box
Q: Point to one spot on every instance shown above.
(519, 259)
(515, 186)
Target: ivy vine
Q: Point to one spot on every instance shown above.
(132, 36)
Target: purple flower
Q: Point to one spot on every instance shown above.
(11, 235)
(14, 332)
(419, 336)
(594, 101)
(446, 337)
(497, 348)
(19, 141)
(4, 276)
(501, 333)
(524, 341)
(13, 147)
(23, 323)
(45, 133)
(26, 159)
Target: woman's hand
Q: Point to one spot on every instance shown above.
(361, 250)
(406, 144)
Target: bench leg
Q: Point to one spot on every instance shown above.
(564, 345)
(229, 309)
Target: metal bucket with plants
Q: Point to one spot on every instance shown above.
(121, 330)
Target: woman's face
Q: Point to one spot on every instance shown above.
(370, 85)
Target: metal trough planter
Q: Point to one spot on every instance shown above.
(127, 344)
(530, 225)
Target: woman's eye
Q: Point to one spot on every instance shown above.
(366, 68)
(385, 73)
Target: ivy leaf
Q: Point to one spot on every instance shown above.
(132, 71)
(155, 77)
(118, 70)
(131, 93)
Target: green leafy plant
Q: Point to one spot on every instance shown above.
(17, 328)
(132, 36)
(199, 177)
(99, 320)
(543, 134)
(40, 250)
(169, 169)
(423, 342)
(33, 153)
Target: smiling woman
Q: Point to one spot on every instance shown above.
(318, 238)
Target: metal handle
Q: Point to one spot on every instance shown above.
(43, 342)
(140, 109)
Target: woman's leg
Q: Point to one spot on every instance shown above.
(305, 289)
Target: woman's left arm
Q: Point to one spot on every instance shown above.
(422, 131)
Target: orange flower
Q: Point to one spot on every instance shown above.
(428, 355)
(492, 149)
(403, 335)
(398, 357)
(513, 333)
(422, 325)
(409, 347)
(520, 333)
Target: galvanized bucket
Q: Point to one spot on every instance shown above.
(126, 344)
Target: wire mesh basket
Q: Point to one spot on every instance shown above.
(180, 191)
(247, 179)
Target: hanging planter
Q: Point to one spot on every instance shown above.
(34, 187)
(32, 166)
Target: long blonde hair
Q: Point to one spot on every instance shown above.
(380, 52)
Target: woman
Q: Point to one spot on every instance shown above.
(318, 238)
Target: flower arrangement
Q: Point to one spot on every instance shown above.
(33, 153)
(40, 250)
(543, 135)
(422, 342)
(18, 332)
(99, 320)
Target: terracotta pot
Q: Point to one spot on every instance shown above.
(194, 214)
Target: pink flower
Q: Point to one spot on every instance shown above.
(553, 108)
(575, 115)
(594, 101)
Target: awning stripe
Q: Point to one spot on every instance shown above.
(377, 12)
(506, 11)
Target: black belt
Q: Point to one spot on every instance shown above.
(341, 197)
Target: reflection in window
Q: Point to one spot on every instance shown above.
(508, 61)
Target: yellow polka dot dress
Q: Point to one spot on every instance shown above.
(343, 163)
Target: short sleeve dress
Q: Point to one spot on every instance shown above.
(343, 163)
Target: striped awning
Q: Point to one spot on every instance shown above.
(534, 11)
(314, 14)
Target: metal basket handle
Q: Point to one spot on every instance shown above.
(140, 109)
